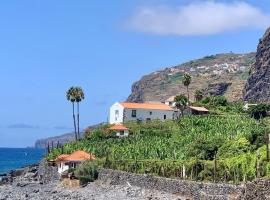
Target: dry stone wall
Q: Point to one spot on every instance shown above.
(185, 189)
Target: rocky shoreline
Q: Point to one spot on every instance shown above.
(41, 182)
(31, 183)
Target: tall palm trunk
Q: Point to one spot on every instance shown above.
(78, 119)
(188, 94)
(74, 121)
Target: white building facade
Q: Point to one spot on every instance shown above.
(124, 112)
(62, 167)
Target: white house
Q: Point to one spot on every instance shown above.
(61, 164)
(121, 130)
(69, 161)
(170, 101)
(124, 112)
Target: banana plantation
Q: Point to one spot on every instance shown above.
(220, 148)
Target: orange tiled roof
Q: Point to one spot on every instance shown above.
(79, 156)
(150, 106)
(119, 127)
(61, 157)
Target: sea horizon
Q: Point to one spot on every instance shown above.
(14, 158)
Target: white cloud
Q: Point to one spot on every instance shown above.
(201, 18)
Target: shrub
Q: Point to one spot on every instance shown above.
(259, 111)
(204, 148)
(219, 101)
(233, 148)
(235, 107)
(215, 101)
(198, 95)
(87, 171)
(256, 138)
(206, 100)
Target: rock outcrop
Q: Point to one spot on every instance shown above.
(257, 88)
(207, 73)
(216, 89)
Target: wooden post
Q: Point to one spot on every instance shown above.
(184, 172)
(215, 167)
(258, 165)
(266, 137)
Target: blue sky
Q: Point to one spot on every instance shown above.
(104, 46)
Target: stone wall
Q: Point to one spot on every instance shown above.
(187, 189)
(257, 190)
(47, 173)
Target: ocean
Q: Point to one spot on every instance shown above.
(13, 158)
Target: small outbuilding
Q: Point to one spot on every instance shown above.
(121, 130)
(194, 110)
(170, 101)
(65, 162)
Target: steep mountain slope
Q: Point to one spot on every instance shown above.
(257, 88)
(221, 74)
(62, 139)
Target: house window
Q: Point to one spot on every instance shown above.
(73, 165)
(116, 115)
(165, 116)
(150, 113)
(122, 133)
(134, 113)
(148, 119)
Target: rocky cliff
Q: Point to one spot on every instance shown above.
(257, 88)
(62, 139)
(221, 74)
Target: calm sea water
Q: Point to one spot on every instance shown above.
(13, 158)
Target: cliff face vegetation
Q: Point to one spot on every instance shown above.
(221, 74)
(257, 88)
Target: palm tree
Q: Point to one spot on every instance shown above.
(79, 96)
(181, 102)
(198, 95)
(72, 98)
(186, 81)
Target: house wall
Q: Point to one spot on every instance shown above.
(126, 133)
(116, 119)
(144, 114)
(62, 167)
(168, 103)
